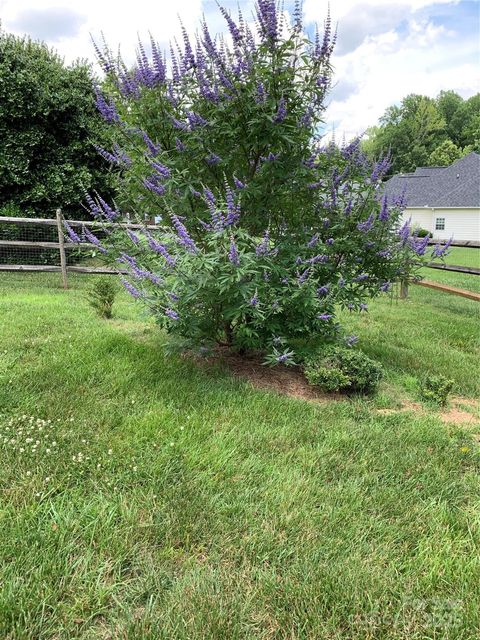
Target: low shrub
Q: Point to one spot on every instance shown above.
(343, 369)
(423, 233)
(436, 389)
(101, 296)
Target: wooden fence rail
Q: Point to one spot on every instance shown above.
(62, 246)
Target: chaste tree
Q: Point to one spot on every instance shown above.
(265, 231)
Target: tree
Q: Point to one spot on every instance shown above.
(448, 103)
(48, 122)
(446, 153)
(410, 132)
(265, 231)
(421, 131)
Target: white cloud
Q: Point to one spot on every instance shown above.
(119, 22)
(387, 67)
(315, 11)
(374, 65)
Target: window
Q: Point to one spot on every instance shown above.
(439, 224)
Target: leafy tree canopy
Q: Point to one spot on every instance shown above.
(424, 131)
(48, 122)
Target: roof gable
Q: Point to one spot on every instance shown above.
(455, 186)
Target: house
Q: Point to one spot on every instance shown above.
(443, 200)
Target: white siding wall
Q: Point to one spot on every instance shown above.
(419, 217)
(462, 224)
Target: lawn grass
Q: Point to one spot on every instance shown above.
(464, 256)
(179, 503)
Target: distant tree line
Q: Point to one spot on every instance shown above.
(425, 131)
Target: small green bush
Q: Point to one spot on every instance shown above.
(101, 296)
(343, 369)
(423, 233)
(436, 389)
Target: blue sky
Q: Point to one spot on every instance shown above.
(386, 48)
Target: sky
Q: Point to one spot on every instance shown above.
(385, 50)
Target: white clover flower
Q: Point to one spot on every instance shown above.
(47, 450)
(110, 452)
(29, 473)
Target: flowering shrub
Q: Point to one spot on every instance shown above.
(264, 230)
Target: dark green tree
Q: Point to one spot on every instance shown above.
(410, 132)
(423, 131)
(48, 122)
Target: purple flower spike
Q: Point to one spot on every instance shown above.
(233, 253)
(420, 246)
(238, 183)
(262, 248)
(325, 316)
(209, 197)
(313, 241)
(261, 95)
(161, 249)
(233, 210)
(367, 225)
(92, 238)
(212, 159)
(351, 340)
(75, 238)
(183, 235)
(323, 291)
(161, 169)
(106, 107)
(154, 186)
(153, 148)
(254, 300)
(131, 289)
(108, 212)
(384, 211)
(173, 315)
(304, 276)
(439, 251)
(133, 237)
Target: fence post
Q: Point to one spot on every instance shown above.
(61, 248)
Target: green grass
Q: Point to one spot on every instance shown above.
(201, 508)
(464, 256)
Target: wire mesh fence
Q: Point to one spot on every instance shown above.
(33, 244)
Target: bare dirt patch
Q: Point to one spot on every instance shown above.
(290, 381)
(287, 381)
(454, 414)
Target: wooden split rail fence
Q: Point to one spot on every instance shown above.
(61, 244)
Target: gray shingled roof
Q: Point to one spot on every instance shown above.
(455, 186)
